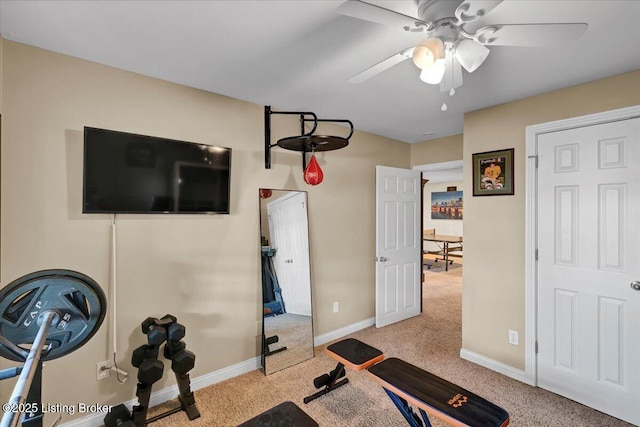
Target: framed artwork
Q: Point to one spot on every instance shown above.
(493, 173)
(446, 205)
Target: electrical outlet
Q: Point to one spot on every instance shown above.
(513, 337)
(336, 306)
(102, 370)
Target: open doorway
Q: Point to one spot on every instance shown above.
(443, 213)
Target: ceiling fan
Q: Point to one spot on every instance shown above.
(449, 46)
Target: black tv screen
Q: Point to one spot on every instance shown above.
(129, 173)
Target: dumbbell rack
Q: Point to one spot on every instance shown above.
(150, 370)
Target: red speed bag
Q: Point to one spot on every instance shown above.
(265, 193)
(313, 174)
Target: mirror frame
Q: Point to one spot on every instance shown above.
(304, 354)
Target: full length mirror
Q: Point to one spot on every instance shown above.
(287, 327)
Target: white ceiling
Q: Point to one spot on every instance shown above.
(298, 55)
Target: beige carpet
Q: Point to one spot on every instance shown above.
(431, 341)
(294, 332)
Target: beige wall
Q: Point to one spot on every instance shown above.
(494, 227)
(203, 269)
(437, 150)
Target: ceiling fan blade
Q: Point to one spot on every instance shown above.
(379, 15)
(530, 35)
(382, 66)
(470, 10)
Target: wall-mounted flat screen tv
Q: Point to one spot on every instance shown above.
(129, 173)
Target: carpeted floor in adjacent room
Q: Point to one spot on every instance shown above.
(431, 341)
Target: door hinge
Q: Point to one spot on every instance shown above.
(536, 254)
(536, 347)
(535, 156)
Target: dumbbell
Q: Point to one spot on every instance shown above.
(175, 332)
(118, 416)
(169, 318)
(144, 352)
(150, 371)
(183, 361)
(154, 330)
(173, 347)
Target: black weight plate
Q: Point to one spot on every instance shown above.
(79, 301)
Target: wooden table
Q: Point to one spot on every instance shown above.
(445, 240)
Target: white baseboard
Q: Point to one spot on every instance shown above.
(509, 371)
(339, 333)
(169, 393)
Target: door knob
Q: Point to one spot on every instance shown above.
(383, 259)
(635, 285)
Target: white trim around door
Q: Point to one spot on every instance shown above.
(531, 232)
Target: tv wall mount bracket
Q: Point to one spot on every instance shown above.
(307, 141)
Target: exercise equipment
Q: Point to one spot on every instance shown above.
(175, 332)
(352, 353)
(266, 342)
(271, 291)
(119, 416)
(169, 332)
(182, 361)
(286, 414)
(144, 352)
(44, 316)
(150, 371)
(273, 304)
(155, 330)
(416, 393)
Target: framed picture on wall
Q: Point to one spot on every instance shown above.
(493, 173)
(446, 205)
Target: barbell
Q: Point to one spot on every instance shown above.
(43, 316)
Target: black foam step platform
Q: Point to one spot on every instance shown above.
(436, 396)
(286, 414)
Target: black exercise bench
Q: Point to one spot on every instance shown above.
(286, 414)
(410, 388)
(350, 352)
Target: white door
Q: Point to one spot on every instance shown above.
(398, 244)
(289, 234)
(589, 255)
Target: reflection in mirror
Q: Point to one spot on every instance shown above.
(287, 327)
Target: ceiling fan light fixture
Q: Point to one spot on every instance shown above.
(434, 74)
(428, 52)
(471, 54)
